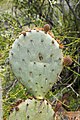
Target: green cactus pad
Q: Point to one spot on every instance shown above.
(32, 110)
(36, 61)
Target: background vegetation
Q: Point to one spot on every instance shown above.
(64, 19)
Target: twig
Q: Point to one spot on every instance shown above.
(11, 87)
(76, 5)
(70, 86)
(50, 3)
(67, 1)
(8, 87)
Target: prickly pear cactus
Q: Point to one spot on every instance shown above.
(32, 110)
(36, 60)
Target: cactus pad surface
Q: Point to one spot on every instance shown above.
(36, 61)
(32, 110)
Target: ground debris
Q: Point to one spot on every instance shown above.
(71, 115)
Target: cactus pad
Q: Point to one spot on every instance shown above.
(32, 110)
(36, 61)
